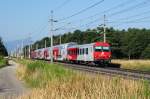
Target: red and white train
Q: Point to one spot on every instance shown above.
(98, 53)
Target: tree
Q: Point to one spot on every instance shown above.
(131, 43)
(135, 41)
(3, 51)
(146, 53)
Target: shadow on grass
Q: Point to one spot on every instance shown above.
(114, 65)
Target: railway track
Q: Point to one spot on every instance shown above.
(125, 73)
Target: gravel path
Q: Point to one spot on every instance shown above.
(10, 86)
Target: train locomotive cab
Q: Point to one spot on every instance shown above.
(102, 53)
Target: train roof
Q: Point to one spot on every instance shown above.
(101, 44)
(91, 44)
(66, 44)
(75, 45)
(70, 43)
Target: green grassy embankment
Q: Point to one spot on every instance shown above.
(3, 62)
(55, 82)
(37, 74)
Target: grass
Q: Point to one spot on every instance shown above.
(143, 65)
(55, 82)
(3, 62)
(37, 73)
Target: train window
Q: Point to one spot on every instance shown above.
(98, 48)
(71, 52)
(106, 49)
(83, 51)
(77, 51)
(91, 49)
(86, 50)
(80, 51)
(102, 48)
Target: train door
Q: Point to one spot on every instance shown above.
(46, 54)
(84, 54)
(89, 53)
(55, 53)
(49, 54)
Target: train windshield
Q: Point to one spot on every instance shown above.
(102, 48)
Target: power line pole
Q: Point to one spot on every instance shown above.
(29, 52)
(60, 39)
(45, 44)
(22, 50)
(51, 36)
(29, 46)
(17, 51)
(36, 46)
(25, 52)
(104, 28)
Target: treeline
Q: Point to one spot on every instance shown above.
(132, 43)
(3, 51)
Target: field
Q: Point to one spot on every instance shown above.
(142, 65)
(55, 82)
(3, 62)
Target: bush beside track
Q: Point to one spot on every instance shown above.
(54, 81)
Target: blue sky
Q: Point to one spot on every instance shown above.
(21, 18)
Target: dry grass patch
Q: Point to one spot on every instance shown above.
(143, 65)
(90, 87)
(77, 85)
